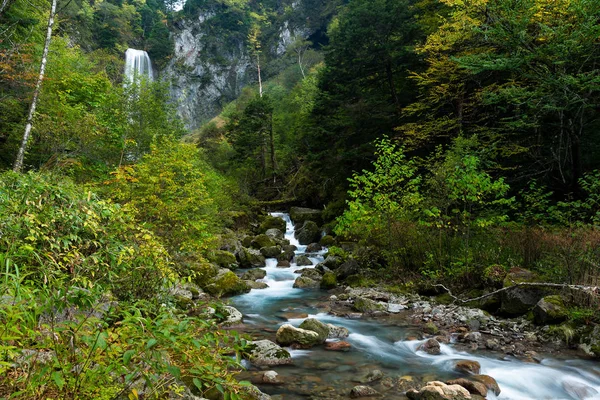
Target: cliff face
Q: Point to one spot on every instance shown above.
(211, 62)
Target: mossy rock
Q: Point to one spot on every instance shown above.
(444, 299)
(550, 310)
(299, 215)
(254, 274)
(202, 273)
(303, 261)
(226, 283)
(365, 305)
(327, 241)
(271, 251)
(247, 241)
(183, 302)
(224, 259)
(431, 328)
(271, 222)
(308, 233)
(250, 258)
(289, 335)
(329, 281)
(261, 241)
(303, 282)
(315, 325)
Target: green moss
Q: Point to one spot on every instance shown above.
(327, 241)
(272, 223)
(227, 284)
(431, 328)
(224, 259)
(329, 281)
(444, 299)
(366, 305)
(261, 241)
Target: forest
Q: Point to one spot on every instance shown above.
(439, 151)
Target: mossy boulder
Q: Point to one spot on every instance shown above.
(274, 234)
(267, 353)
(314, 248)
(271, 251)
(364, 305)
(299, 215)
(333, 262)
(254, 274)
(308, 233)
(286, 256)
(303, 282)
(202, 273)
(315, 325)
(261, 241)
(520, 300)
(224, 259)
(311, 273)
(226, 283)
(271, 222)
(250, 258)
(329, 281)
(303, 261)
(288, 335)
(431, 328)
(550, 310)
(327, 241)
(347, 269)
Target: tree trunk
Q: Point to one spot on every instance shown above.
(4, 5)
(260, 89)
(18, 166)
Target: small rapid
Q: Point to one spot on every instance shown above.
(381, 344)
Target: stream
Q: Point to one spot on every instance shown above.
(379, 344)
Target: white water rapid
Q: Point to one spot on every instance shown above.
(379, 344)
(137, 65)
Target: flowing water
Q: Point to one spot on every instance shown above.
(137, 65)
(379, 344)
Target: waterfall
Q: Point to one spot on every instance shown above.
(137, 65)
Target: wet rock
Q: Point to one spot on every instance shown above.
(363, 391)
(579, 390)
(287, 255)
(288, 335)
(308, 233)
(283, 264)
(313, 248)
(406, 383)
(310, 273)
(226, 283)
(431, 346)
(290, 248)
(431, 328)
(329, 281)
(492, 344)
(327, 241)
(338, 346)
(256, 285)
(472, 367)
(299, 215)
(550, 310)
(271, 251)
(439, 391)
(249, 258)
(271, 377)
(337, 332)
(254, 274)
(267, 353)
(489, 382)
(395, 308)
(473, 337)
(333, 262)
(231, 316)
(303, 282)
(473, 387)
(303, 261)
(365, 305)
(261, 241)
(275, 234)
(271, 222)
(315, 325)
(224, 259)
(371, 376)
(347, 269)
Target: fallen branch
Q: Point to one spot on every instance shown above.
(591, 290)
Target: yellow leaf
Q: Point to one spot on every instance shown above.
(133, 395)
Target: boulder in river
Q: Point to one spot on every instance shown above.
(431, 346)
(327, 241)
(313, 248)
(226, 283)
(231, 316)
(283, 264)
(472, 367)
(286, 255)
(254, 274)
(267, 353)
(271, 377)
(308, 233)
(439, 391)
(363, 391)
(310, 273)
(303, 261)
(271, 222)
(271, 251)
(315, 325)
(474, 387)
(250, 258)
(333, 262)
(579, 390)
(224, 259)
(521, 299)
(289, 335)
(274, 234)
(256, 285)
(550, 310)
(337, 332)
(261, 241)
(299, 215)
(303, 282)
(329, 281)
(364, 305)
(489, 382)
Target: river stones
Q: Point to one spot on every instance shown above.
(333, 262)
(550, 310)
(299, 215)
(254, 274)
(274, 234)
(472, 367)
(489, 382)
(256, 285)
(267, 353)
(365, 305)
(308, 233)
(327, 241)
(338, 346)
(431, 346)
(303, 282)
(303, 261)
(363, 391)
(315, 325)
(313, 248)
(439, 391)
(223, 259)
(337, 332)
(226, 283)
(271, 377)
(579, 390)
(473, 387)
(271, 222)
(369, 377)
(310, 273)
(283, 264)
(329, 281)
(232, 316)
(288, 335)
(249, 258)
(271, 251)
(519, 300)
(261, 241)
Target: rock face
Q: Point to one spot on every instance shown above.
(267, 353)
(439, 391)
(550, 310)
(300, 215)
(288, 335)
(308, 233)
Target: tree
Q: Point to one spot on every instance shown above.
(18, 166)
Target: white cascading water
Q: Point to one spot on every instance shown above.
(376, 342)
(137, 65)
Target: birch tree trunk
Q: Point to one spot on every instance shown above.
(4, 5)
(18, 166)
(260, 88)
